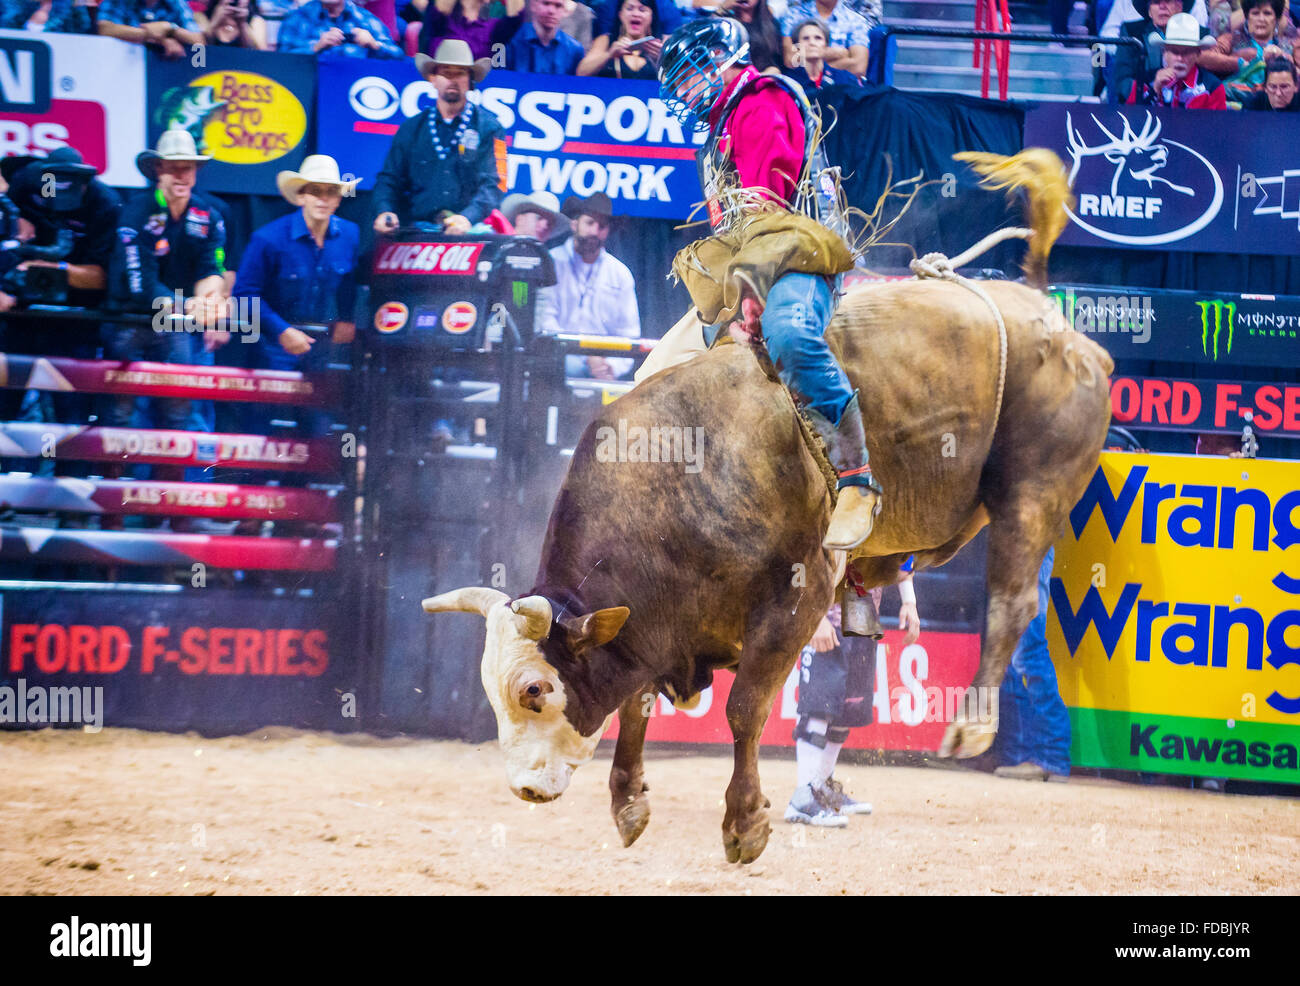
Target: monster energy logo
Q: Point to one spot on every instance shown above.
(1219, 307)
(1110, 313)
(520, 292)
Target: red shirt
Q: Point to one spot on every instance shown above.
(764, 136)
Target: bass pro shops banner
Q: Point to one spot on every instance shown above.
(1158, 179)
(250, 110)
(53, 94)
(1175, 617)
(581, 137)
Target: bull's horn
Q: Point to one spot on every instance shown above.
(536, 611)
(471, 599)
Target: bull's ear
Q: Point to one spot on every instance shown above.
(595, 629)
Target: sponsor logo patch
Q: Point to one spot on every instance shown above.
(391, 316)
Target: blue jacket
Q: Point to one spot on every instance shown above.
(295, 280)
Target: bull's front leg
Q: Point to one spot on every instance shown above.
(745, 826)
(628, 802)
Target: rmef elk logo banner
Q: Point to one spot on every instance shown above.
(1158, 179)
(1175, 617)
(566, 135)
(52, 94)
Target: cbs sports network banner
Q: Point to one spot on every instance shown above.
(579, 138)
(1175, 617)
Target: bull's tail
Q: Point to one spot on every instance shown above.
(1047, 189)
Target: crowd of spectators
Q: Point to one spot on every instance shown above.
(610, 38)
(1214, 56)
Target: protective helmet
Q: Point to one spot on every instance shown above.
(693, 60)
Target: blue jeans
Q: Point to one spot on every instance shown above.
(1034, 726)
(132, 342)
(799, 307)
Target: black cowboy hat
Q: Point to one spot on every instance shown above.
(597, 206)
(62, 161)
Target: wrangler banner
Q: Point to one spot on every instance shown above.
(1175, 617)
(581, 137)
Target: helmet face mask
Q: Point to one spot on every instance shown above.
(690, 70)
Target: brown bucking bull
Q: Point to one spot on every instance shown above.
(687, 535)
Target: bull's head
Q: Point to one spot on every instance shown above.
(542, 747)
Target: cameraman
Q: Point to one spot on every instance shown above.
(59, 254)
(332, 29)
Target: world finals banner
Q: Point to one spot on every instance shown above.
(1175, 617)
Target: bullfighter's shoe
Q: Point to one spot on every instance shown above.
(1023, 772)
(807, 808)
(833, 796)
(859, 493)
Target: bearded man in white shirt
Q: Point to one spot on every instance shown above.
(594, 293)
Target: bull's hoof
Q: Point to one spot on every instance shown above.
(748, 845)
(967, 739)
(632, 819)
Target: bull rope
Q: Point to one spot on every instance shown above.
(938, 266)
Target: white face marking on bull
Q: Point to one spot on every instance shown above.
(541, 747)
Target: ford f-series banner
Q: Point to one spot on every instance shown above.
(1175, 617)
(1157, 179)
(581, 137)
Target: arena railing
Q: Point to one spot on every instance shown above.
(884, 49)
(310, 511)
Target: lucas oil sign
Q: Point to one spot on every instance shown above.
(1175, 617)
(1156, 179)
(579, 137)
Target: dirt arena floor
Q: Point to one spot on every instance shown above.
(288, 812)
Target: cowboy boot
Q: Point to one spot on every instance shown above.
(859, 493)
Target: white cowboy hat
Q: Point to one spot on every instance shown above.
(174, 145)
(453, 51)
(541, 202)
(317, 169)
(1182, 31)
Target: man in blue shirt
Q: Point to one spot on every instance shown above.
(540, 46)
(302, 268)
(167, 25)
(332, 29)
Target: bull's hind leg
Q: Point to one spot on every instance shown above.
(1018, 539)
(628, 802)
